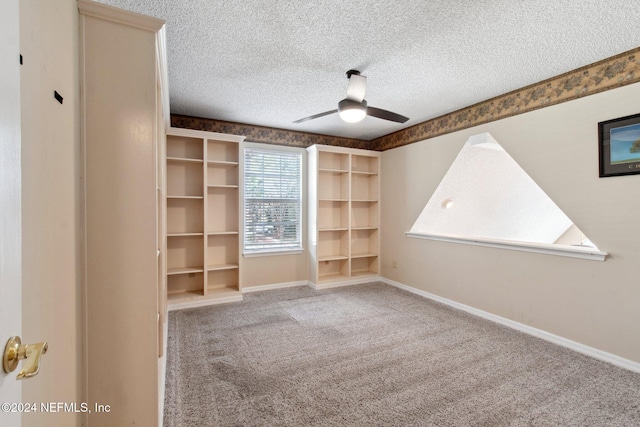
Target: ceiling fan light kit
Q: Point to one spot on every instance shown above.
(353, 108)
(352, 111)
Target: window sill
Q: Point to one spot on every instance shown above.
(272, 252)
(581, 252)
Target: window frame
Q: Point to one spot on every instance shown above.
(272, 251)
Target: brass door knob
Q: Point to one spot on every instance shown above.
(15, 351)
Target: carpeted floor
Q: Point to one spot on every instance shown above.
(374, 355)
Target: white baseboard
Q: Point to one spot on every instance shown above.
(271, 287)
(326, 285)
(538, 333)
(203, 302)
(162, 373)
(347, 282)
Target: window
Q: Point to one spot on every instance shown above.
(487, 199)
(272, 200)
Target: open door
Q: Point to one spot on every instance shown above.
(10, 202)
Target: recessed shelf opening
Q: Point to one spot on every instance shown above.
(184, 216)
(186, 179)
(182, 147)
(222, 151)
(333, 161)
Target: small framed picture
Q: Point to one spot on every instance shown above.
(619, 146)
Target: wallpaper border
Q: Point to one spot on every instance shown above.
(266, 135)
(610, 73)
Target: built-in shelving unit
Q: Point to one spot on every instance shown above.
(203, 257)
(344, 214)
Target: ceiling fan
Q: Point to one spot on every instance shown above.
(354, 107)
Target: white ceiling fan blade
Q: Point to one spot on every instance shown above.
(357, 87)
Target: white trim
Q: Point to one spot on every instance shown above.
(538, 333)
(163, 372)
(344, 150)
(581, 252)
(274, 286)
(163, 75)
(211, 136)
(203, 302)
(120, 16)
(346, 282)
(293, 248)
(272, 252)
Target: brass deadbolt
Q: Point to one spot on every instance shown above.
(10, 359)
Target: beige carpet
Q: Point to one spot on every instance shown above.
(374, 355)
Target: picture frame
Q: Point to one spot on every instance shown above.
(619, 146)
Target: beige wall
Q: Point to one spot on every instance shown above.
(278, 269)
(50, 150)
(593, 303)
(274, 270)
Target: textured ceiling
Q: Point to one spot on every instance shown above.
(269, 63)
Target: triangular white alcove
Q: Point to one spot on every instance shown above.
(487, 198)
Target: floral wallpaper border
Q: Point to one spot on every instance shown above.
(266, 135)
(610, 73)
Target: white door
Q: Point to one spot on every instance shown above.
(10, 201)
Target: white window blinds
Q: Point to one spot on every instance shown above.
(272, 200)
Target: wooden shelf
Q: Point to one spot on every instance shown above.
(221, 163)
(364, 255)
(186, 197)
(183, 160)
(363, 273)
(339, 171)
(221, 233)
(184, 270)
(332, 258)
(190, 299)
(174, 297)
(184, 234)
(365, 266)
(222, 186)
(222, 267)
